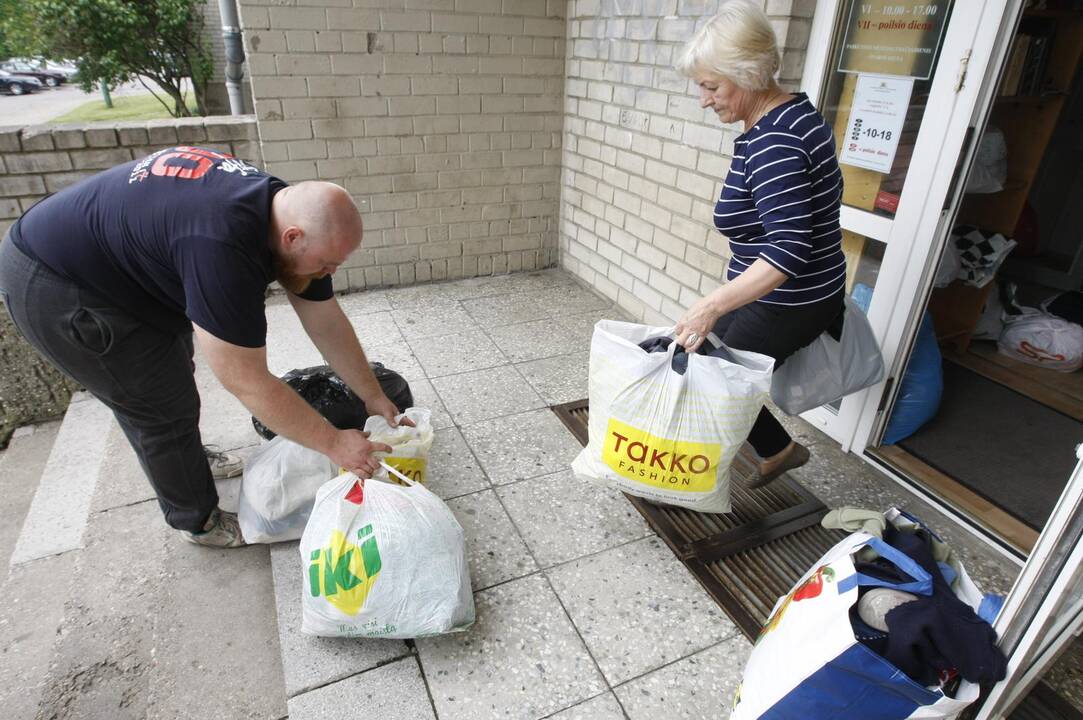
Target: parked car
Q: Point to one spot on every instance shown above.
(47, 77)
(66, 68)
(18, 84)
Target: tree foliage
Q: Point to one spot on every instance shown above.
(116, 41)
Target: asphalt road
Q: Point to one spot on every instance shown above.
(46, 104)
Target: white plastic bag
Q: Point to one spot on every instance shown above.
(410, 445)
(807, 661)
(829, 369)
(383, 560)
(1042, 339)
(278, 488)
(662, 435)
(990, 170)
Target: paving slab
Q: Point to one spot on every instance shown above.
(521, 659)
(522, 446)
(494, 549)
(673, 616)
(485, 394)
(453, 470)
(21, 466)
(456, 353)
(392, 692)
(571, 300)
(581, 325)
(442, 293)
(58, 513)
(602, 707)
(699, 686)
(503, 310)
(563, 518)
(396, 356)
(309, 662)
(215, 635)
(433, 320)
(425, 396)
(559, 379)
(356, 304)
(535, 340)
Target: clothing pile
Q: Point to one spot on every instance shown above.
(933, 638)
(886, 625)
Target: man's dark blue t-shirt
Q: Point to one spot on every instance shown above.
(178, 237)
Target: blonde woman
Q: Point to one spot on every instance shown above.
(779, 207)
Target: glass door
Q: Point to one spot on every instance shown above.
(1044, 610)
(893, 78)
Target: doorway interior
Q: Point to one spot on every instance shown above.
(992, 434)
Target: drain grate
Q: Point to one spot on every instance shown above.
(745, 559)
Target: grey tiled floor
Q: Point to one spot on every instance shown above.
(582, 611)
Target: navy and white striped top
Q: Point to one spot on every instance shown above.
(781, 200)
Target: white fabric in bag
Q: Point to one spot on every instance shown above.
(383, 560)
(661, 435)
(829, 369)
(1042, 339)
(410, 445)
(278, 488)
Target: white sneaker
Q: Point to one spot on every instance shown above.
(221, 530)
(223, 465)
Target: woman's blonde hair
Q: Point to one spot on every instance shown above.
(738, 43)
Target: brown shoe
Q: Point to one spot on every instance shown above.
(794, 456)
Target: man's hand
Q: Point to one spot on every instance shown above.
(353, 451)
(383, 407)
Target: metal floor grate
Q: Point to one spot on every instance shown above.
(745, 559)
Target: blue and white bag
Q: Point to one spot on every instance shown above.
(807, 663)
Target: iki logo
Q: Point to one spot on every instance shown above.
(344, 573)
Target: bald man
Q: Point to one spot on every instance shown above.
(110, 278)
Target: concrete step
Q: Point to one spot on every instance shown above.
(109, 612)
(58, 513)
(31, 595)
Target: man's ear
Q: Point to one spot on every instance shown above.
(293, 239)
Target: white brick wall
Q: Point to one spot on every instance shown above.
(443, 118)
(643, 163)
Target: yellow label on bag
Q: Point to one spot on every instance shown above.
(343, 572)
(411, 467)
(660, 462)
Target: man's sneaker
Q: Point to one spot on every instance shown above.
(221, 530)
(223, 465)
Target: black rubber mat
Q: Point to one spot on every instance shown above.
(745, 559)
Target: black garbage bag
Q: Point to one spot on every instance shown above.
(331, 397)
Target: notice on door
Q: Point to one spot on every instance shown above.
(894, 37)
(876, 121)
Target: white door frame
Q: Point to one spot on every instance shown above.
(916, 227)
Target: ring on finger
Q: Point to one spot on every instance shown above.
(692, 337)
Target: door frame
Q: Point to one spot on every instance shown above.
(917, 231)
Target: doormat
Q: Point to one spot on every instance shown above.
(1011, 450)
(745, 559)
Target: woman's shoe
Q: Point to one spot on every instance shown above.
(794, 456)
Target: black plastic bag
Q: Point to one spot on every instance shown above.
(331, 397)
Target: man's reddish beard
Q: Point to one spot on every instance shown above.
(288, 278)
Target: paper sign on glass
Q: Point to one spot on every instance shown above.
(876, 122)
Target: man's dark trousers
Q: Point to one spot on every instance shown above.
(144, 375)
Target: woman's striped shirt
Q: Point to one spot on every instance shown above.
(781, 200)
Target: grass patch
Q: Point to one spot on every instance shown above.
(131, 107)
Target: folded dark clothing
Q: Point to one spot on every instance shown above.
(661, 343)
(940, 633)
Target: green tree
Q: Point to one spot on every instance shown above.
(116, 41)
(19, 35)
